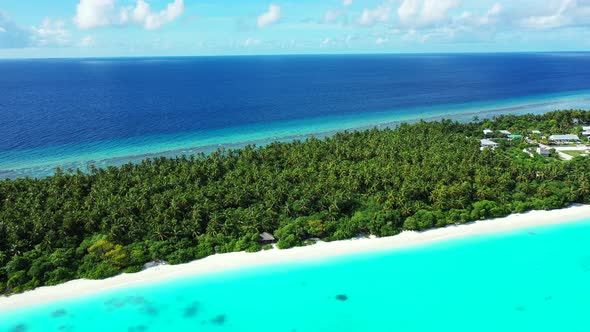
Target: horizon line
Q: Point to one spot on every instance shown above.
(288, 55)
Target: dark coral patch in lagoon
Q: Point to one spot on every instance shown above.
(59, 313)
(342, 297)
(19, 328)
(219, 320)
(192, 310)
(138, 300)
(113, 304)
(150, 310)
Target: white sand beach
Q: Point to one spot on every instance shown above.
(229, 261)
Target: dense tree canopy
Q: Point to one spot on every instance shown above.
(413, 177)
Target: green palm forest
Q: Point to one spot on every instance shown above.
(381, 182)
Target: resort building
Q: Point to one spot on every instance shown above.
(488, 132)
(486, 143)
(536, 132)
(267, 238)
(586, 131)
(505, 132)
(544, 151)
(564, 139)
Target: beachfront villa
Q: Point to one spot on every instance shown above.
(267, 238)
(586, 131)
(564, 139)
(505, 132)
(486, 143)
(488, 132)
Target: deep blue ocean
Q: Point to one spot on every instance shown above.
(75, 112)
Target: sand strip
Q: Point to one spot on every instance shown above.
(223, 262)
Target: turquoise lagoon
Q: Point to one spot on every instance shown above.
(533, 279)
(40, 162)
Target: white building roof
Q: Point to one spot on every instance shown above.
(487, 142)
(535, 132)
(505, 132)
(487, 131)
(564, 137)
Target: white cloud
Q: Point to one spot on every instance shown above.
(332, 15)
(381, 40)
(143, 15)
(440, 21)
(546, 22)
(435, 10)
(425, 12)
(379, 14)
(87, 41)
(496, 9)
(468, 19)
(464, 28)
(441, 35)
(492, 14)
(100, 13)
(467, 27)
(410, 35)
(272, 16)
(12, 35)
(94, 13)
(408, 9)
(252, 42)
(342, 41)
(51, 33)
(554, 20)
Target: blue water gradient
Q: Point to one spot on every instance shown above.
(73, 113)
(527, 280)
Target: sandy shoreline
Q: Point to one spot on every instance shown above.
(230, 261)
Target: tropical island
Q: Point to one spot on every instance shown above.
(379, 182)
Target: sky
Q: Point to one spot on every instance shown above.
(109, 28)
